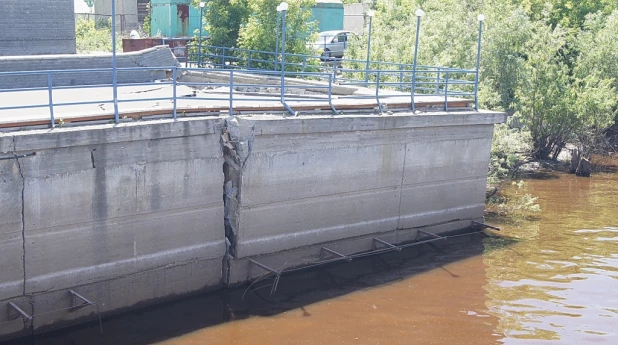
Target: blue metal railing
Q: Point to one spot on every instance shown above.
(320, 79)
(239, 58)
(426, 80)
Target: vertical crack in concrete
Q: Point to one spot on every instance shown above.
(249, 147)
(27, 323)
(403, 175)
(92, 158)
(237, 147)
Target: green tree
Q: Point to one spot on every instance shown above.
(596, 70)
(258, 31)
(561, 105)
(566, 13)
(544, 97)
(505, 53)
(223, 20)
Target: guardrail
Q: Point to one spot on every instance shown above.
(442, 82)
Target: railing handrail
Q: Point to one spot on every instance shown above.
(339, 60)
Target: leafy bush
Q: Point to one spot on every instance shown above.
(93, 36)
(508, 150)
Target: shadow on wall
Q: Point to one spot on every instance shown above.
(164, 321)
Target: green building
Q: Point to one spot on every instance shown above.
(174, 18)
(328, 14)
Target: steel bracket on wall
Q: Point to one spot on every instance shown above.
(264, 267)
(341, 256)
(85, 302)
(15, 307)
(389, 245)
(379, 247)
(438, 237)
(483, 225)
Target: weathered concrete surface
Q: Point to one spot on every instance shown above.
(299, 182)
(122, 214)
(11, 240)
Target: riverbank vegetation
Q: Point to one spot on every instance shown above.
(551, 64)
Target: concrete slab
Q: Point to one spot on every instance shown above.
(311, 180)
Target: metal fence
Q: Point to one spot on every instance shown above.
(426, 79)
(387, 80)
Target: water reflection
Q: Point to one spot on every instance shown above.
(559, 283)
(443, 306)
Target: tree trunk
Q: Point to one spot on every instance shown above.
(583, 169)
(575, 158)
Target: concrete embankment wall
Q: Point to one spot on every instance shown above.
(160, 56)
(306, 183)
(140, 211)
(121, 215)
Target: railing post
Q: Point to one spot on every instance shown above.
(419, 14)
(174, 75)
(446, 91)
(283, 33)
(400, 77)
(231, 92)
(51, 101)
(478, 64)
(304, 63)
(277, 37)
(370, 15)
(378, 92)
(330, 94)
(438, 81)
(114, 71)
(249, 59)
(223, 58)
(199, 49)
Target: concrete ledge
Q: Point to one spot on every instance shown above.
(273, 125)
(110, 133)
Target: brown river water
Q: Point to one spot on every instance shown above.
(549, 280)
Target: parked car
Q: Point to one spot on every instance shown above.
(332, 43)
